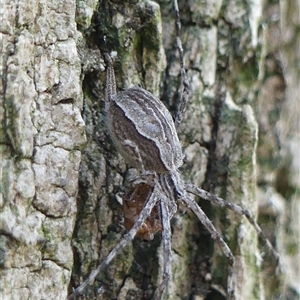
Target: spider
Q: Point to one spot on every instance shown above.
(144, 132)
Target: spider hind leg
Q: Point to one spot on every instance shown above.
(192, 204)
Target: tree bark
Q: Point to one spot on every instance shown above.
(242, 94)
(41, 134)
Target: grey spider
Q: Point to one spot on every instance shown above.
(143, 131)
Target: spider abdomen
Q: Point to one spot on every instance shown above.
(143, 131)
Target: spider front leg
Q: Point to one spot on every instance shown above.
(218, 239)
(185, 81)
(146, 211)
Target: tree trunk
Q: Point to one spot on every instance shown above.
(239, 138)
(41, 133)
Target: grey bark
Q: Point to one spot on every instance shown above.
(41, 132)
(240, 138)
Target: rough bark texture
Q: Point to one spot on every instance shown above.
(243, 109)
(41, 131)
(278, 111)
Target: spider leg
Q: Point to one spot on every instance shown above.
(237, 209)
(111, 89)
(185, 82)
(146, 211)
(218, 239)
(166, 239)
(167, 184)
